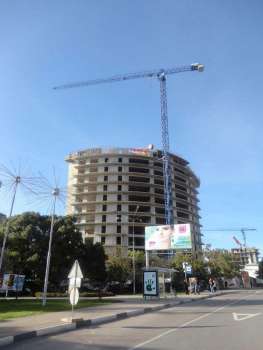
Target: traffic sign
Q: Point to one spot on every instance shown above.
(74, 296)
(188, 269)
(75, 271)
(75, 276)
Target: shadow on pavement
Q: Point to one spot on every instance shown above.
(56, 344)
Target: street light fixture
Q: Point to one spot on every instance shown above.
(16, 183)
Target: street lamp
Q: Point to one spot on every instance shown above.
(133, 255)
(16, 182)
(55, 194)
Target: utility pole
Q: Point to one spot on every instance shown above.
(55, 194)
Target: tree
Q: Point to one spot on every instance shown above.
(2, 217)
(221, 264)
(67, 246)
(178, 260)
(27, 246)
(260, 269)
(177, 264)
(92, 262)
(139, 258)
(118, 268)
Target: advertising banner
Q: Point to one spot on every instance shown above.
(150, 283)
(140, 151)
(167, 237)
(11, 282)
(245, 279)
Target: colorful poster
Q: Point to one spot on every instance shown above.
(150, 283)
(181, 237)
(19, 283)
(167, 237)
(11, 282)
(245, 279)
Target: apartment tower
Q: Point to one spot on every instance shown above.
(116, 192)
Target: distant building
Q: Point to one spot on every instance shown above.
(244, 256)
(105, 186)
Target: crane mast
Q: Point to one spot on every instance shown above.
(168, 202)
(161, 75)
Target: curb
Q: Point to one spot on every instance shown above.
(85, 323)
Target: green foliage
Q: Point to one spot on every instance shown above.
(156, 260)
(92, 262)
(177, 264)
(38, 295)
(139, 258)
(20, 308)
(27, 247)
(177, 261)
(221, 264)
(119, 268)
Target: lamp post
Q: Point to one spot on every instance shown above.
(133, 255)
(17, 181)
(55, 194)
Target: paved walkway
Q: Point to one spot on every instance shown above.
(125, 304)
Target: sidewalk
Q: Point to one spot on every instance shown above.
(17, 329)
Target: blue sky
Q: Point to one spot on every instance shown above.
(215, 118)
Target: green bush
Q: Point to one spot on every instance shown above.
(51, 295)
(82, 294)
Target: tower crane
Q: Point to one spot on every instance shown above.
(159, 74)
(243, 230)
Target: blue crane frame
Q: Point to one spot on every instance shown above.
(160, 74)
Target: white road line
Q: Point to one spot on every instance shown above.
(186, 324)
(242, 317)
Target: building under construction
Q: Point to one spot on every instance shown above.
(243, 256)
(116, 192)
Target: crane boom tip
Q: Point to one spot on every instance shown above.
(198, 66)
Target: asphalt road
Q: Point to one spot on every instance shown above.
(233, 321)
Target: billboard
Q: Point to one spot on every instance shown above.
(140, 151)
(167, 237)
(11, 282)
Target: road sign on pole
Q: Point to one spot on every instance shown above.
(74, 296)
(187, 269)
(75, 271)
(75, 276)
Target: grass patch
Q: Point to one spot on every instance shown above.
(20, 308)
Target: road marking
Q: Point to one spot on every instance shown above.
(242, 317)
(185, 324)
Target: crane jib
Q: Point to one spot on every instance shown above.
(160, 74)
